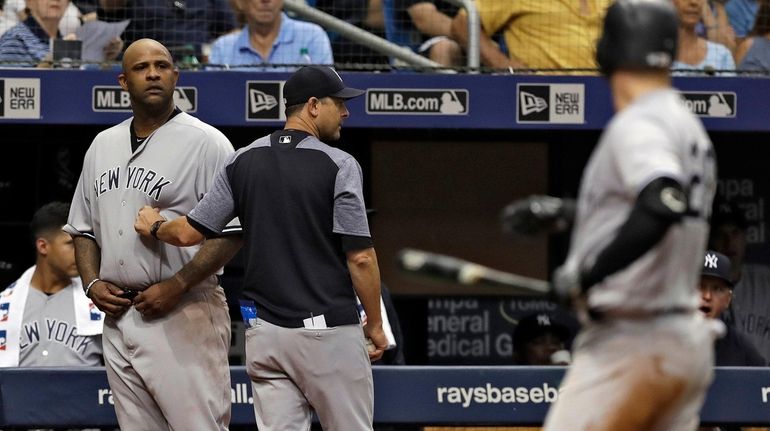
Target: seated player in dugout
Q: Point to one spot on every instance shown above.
(716, 289)
(539, 339)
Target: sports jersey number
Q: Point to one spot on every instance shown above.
(702, 180)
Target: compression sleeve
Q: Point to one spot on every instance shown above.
(659, 205)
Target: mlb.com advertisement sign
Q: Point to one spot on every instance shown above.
(550, 103)
(450, 101)
(715, 104)
(112, 98)
(20, 98)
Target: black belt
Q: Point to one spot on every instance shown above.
(604, 315)
(340, 316)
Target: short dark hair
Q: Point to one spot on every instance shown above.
(50, 217)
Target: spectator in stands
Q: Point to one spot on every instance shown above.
(270, 37)
(742, 14)
(716, 288)
(694, 52)
(539, 339)
(183, 26)
(14, 11)
(425, 26)
(554, 34)
(749, 310)
(28, 43)
(753, 53)
(50, 291)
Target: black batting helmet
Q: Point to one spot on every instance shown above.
(638, 34)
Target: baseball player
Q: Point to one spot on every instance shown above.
(167, 365)
(644, 357)
(44, 314)
(734, 349)
(308, 253)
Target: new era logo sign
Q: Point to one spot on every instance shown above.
(711, 261)
(264, 101)
(531, 103)
(20, 98)
(550, 103)
(720, 104)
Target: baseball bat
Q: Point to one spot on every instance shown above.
(436, 266)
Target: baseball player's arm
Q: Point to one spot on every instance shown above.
(158, 299)
(178, 232)
(662, 203)
(365, 273)
(104, 294)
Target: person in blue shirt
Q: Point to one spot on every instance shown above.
(271, 40)
(742, 14)
(695, 54)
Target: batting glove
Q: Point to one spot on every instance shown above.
(537, 214)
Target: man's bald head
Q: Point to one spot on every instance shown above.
(143, 46)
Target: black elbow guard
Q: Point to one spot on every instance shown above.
(665, 198)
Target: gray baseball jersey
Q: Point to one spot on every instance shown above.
(172, 170)
(49, 335)
(657, 136)
(150, 363)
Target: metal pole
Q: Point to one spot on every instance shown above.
(358, 35)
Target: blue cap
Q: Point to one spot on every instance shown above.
(717, 265)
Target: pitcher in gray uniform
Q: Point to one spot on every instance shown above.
(45, 319)
(644, 357)
(167, 366)
(308, 252)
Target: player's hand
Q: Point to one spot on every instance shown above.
(566, 286)
(106, 297)
(376, 334)
(157, 300)
(144, 220)
(537, 214)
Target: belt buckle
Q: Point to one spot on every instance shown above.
(129, 294)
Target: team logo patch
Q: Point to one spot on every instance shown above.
(550, 103)
(94, 312)
(417, 101)
(112, 98)
(3, 337)
(264, 101)
(719, 104)
(5, 308)
(20, 98)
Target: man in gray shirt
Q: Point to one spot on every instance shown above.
(308, 253)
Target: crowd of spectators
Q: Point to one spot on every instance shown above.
(716, 36)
